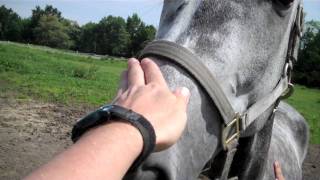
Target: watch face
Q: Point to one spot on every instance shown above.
(106, 108)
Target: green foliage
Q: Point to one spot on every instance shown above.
(115, 36)
(112, 36)
(51, 32)
(307, 69)
(307, 102)
(55, 76)
(145, 35)
(73, 30)
(37, 13)
(140, 34)
(133, 25)
(26, 32)
(10, 25)
(85, 72)
(313, 26)
(88, 38)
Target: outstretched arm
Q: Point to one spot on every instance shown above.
(107, 152)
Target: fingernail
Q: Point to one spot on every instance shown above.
(133, 60)
(276, 164)
(185, 91)
(145, 60)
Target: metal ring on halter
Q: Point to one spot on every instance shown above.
(288, 92)
(287, 70)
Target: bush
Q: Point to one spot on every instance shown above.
(85, 72)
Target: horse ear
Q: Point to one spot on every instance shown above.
(286, 2)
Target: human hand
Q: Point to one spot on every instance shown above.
(277, 171)
(144, 90)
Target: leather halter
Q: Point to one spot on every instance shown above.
(234, 122)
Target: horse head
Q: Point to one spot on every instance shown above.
(245, 45)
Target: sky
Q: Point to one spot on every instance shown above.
(84, 11)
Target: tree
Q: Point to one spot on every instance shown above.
(26, 33)
(133, 25)
(88, 38)
(307, 69)
(49, 10)
(74, 32)
(51, 32)
(37, 13)
(10, 25)
(112, 36)
(139, 34)
(144, 36)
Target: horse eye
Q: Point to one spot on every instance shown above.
(286, 2)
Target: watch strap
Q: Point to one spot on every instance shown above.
(118, 113)
(145, 128)
(91, 120)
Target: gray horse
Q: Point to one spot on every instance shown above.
(245, 45)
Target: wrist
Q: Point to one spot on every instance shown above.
(120, 132)
(128, 123)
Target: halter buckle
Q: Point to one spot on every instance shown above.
(233, 126)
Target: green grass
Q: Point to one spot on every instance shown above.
(307, 102)
(56, 76)
(51, 75)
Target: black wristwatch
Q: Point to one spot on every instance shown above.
(118, 113)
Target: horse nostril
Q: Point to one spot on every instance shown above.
(159, 174)
(147, 173)
(286, 2)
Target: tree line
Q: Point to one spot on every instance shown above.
(112, 35)
(307, 68)
(119, 37)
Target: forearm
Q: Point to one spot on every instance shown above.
(105, 152)
(108, 151)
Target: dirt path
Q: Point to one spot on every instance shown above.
(311, 165)
(32, 132)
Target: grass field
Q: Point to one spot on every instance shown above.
(60, 77)
(307, 102)
(57, 76)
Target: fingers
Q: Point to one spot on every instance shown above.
(123, 84)
(152, 72)
(183, 95)
(135, 73)
(277, 171)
